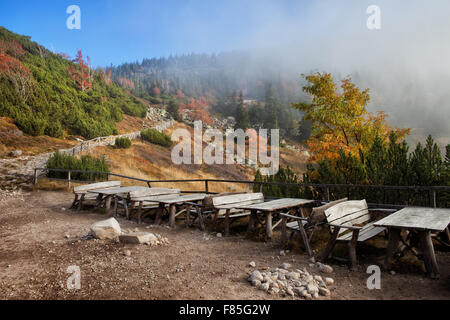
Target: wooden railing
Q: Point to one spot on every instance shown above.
(432, 191)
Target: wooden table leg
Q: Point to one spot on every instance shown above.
(187, 222)
(139, 214)
(269, 232)
(429, 256)
(80, 202)
(283, 232)
(108, 204)
(75, 201)
(394, 240)
(159, 213)
(227, 222)
(304, 237)
(251, 221)
(172, 209)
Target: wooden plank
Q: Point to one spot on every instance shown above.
(119, 190)
(184, 198)
(237, 205)
(419, 218)
(276, 205)
(367, 232)
(236, 198)
(98, 185)
(152, 192)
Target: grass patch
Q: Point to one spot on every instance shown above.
(156, 137)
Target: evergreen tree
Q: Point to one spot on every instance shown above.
(427, 164)
(173, 109)
(377, 163)
(271, 108)
(242, 120)
(398, 169)
(446, 166)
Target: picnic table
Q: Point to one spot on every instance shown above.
(107, 194)
(172, 201)
(422, 221)
(270, 208)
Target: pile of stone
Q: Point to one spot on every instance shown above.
(293, 283)
(110, 229)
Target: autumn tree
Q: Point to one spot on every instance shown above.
(13, 69)
(81, 73)
(340, 120)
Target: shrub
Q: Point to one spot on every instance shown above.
(123, 143)
(85, 163)
(156, 137)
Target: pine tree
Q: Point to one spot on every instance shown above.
(377, 163)
(173, 109)
(427, 164)
(398, 169)
(446, 166)
(242, 120)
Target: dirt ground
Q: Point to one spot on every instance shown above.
(39, 239)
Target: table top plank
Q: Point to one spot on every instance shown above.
(276, 205)
(118, 190)
(180, 199)
(420, 218)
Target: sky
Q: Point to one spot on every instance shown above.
(405, 63)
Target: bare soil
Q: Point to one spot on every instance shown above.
(39, 240)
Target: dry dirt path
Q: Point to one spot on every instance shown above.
(39, 240)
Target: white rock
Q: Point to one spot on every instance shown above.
(106, 229)
(282, 253)
(139, 237)
(285, 266)
(329, 281)
(324, 292)
(264, 286)
(219, 235)
(255, 275)
(312, 289)
(324, 268)
(252, 264)
(256, 283)
(274, 290)
(290, 292)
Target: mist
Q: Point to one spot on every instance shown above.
(404, 64)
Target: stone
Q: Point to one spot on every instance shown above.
(318, 278)
(138, 238)
(312, 260)
(106, 229)
(256, 283)
(127, 253)
(312, 289)
(324, 292)
(329, 281)
(290, 292)
(219, 235)
(274, 290)
(315, 295)
(285, 266)
(264, 286)
(325, 268)
(307, 296)
(282, 253)
(15, 153)
(252, 264)
(256, 275)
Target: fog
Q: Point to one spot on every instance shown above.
(405, 64)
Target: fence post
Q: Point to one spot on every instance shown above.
(433, 203)
(68, 179)
(327, 193)
(35, 176)
(260, 188)
(206, 187)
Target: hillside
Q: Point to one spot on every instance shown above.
(45, 93)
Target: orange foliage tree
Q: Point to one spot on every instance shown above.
(81, 73)
(13, 69)
(340, 119)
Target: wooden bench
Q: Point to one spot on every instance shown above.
(146, 199)
(225, 208)
(349, 221)
(82, 192)
(304, 225)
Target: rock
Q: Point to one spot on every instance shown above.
(312, 260)
(315, 295)
(392, 272)
(255, 275)
(252, 264)
(106, 229)
(282, 253)
(285, 266)
(67, 236)
(307, 296)
(312, 289)
(138, 238)
(324, 292)
(324, 268)
(329, 281)
(219, 235)
(127, 253)
(318, 278)
(264, 286)
(290, 292)
(256, 283)
(15, 153)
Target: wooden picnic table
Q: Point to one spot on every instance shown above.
(172, 201)
(420, 220)
(270, 208)
(108, 193)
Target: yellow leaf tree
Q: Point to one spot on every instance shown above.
(340, 119)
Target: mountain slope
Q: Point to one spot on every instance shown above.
(37, 91)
